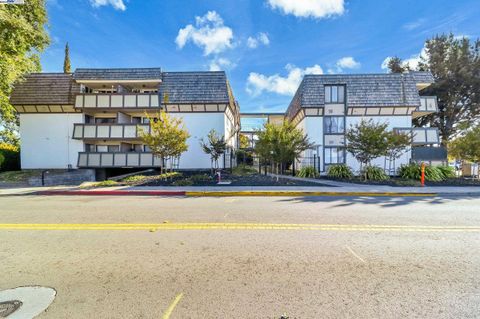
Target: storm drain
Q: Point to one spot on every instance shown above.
(9, 307)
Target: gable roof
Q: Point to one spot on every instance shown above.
(194, 87)
(45, 89)
(362, 90)
(118, 74)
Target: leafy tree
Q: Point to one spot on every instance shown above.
(22, 38)
(396, 65)
(244, 141)
(281, 144)
(215, 147)
(467, 147)
(167, 138)
(455, 65)
(66, 62)
(397, 144)
(367, 141)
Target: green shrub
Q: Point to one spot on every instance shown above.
(447, 171)
(135, 179)
(340, 171)
(183, 182)
(11, 155)
(307, 172)
(2, 159)
(199, 178)
(244, 170)
(410, 171)
(432, 173)
(374, 173)
(106, 183)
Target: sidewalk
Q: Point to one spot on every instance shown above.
(333, 190)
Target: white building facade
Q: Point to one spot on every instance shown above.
(92, 118)
(325, 106)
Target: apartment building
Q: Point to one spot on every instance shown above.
(91, 118)
(324, 106)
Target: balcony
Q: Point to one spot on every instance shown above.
(428, 105)
(117, 100)
(109, 131)
(117, 159)
(422, 135)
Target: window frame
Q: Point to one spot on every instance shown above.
(326, 131)
(338, 89)
(328, 155)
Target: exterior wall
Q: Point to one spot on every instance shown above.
(198, 126)
(46, 140)
(313, 127)
(393, 121)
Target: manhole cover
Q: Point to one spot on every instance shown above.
(9, 307)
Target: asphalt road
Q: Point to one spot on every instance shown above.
(349, 271)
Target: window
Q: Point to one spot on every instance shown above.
(89, 148)
(334, 124)
(334, 94)
(136, 120)
(146, 120)
(108, 148)
(105, 120)
(334, 155)
(89, 119)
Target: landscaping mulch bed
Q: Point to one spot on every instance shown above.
(399, 182)
(205, 179)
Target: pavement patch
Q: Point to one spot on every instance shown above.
(25, 302)
(241, 226)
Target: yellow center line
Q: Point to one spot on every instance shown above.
(170, 309)
(241, 226)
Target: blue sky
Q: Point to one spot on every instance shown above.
(265, 46)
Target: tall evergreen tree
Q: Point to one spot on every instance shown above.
(23, 36)
(66, 61)
(455, 65)
(395, 65)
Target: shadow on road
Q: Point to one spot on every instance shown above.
(386, 202)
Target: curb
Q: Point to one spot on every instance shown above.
(230, 193)
(110, 193)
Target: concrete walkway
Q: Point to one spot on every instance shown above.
(331, 187)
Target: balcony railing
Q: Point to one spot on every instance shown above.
(117, 100)
(422, 135)
(117, 159)
(109, 131)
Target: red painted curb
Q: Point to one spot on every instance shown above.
(112, 193)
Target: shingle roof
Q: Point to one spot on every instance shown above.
(45, 89)
(363, 90)
(194, 87)
(118, 74)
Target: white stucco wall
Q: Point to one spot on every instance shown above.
(198, 126)
(393, 121)
(46, 140)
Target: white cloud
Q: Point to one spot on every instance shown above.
(117, 4)
(220, 64)
(309, 8)
(209, 33)
(414, 24)
(412, 62)
(261, 38)
(258, 83)
(348, 62)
